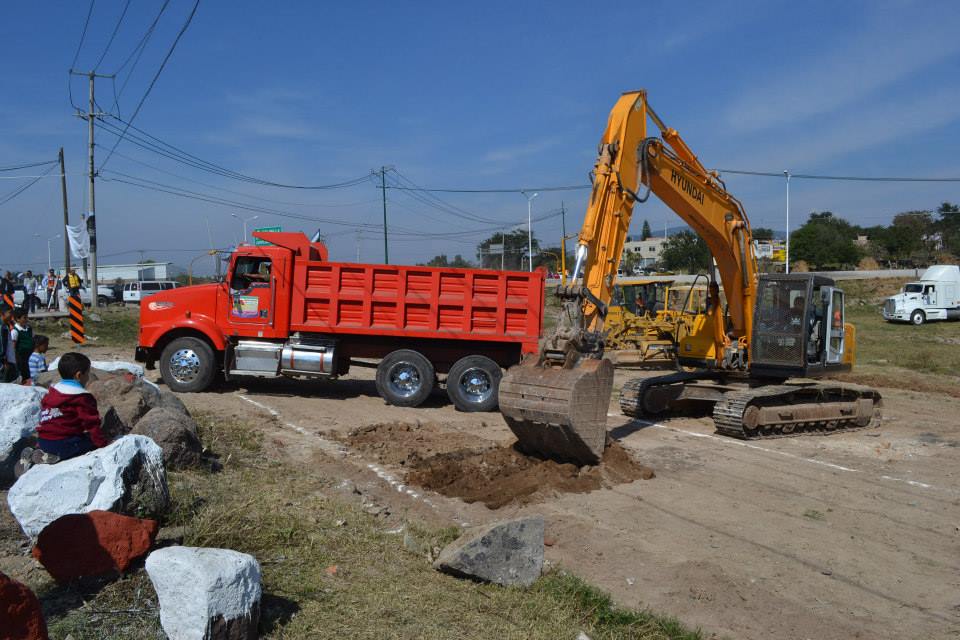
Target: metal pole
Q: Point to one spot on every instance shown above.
(383, 189)
(92, 220)
(66, 216)
(503, 247)
(787, 264)
(529, 229)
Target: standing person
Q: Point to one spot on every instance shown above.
(6, 289)
(8, 353)
(30, 299)
(50, 283)
(22, 337)
(73, 282)
(38, 361)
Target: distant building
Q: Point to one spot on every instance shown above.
(649, 250)
(861, 241)
(108, 273)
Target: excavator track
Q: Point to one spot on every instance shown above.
(772, 411)
(780, 411)
(636, 400)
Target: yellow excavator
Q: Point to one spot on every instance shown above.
(747, 360)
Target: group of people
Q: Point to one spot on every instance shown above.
(39, 291)
(23, 353)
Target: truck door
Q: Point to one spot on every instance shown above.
(253, 310)
(834, 319)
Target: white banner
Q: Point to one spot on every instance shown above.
(79, 240)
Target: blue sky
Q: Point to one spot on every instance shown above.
(476, 95)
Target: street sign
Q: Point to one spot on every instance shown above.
(495, 248)
(260, 243)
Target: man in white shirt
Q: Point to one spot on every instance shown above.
(30, 299)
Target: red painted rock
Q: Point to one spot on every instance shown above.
(20, 615)
(92, 544)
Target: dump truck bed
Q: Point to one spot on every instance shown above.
(423, 302)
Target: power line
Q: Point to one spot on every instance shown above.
(573, 187)
(138, 50)
(113, 35)
(155, 145)
(16, 192)
(810, 176)
(153, 82)
(27, 165)
(76, 55)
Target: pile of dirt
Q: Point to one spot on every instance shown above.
(501, 476)
(404, 444)
(464, 466)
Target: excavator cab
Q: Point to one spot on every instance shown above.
(798, 327)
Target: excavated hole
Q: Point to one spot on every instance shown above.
(470, 468)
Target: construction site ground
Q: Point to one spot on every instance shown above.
(843, 536)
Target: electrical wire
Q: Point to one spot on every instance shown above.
(153, 82)
(76, 55)
(27, 165)
(155, 145)
(810, 176)
(113, 35)
(138, 50)
(16, 192)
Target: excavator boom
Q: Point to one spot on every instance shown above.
(556, 402)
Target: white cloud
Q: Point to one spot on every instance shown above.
(887, 49)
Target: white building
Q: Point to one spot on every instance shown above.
(109, 273)
(649, 250)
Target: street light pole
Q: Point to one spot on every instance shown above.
(49, 250)
(786, 174)
(244, 221)
(530, 227)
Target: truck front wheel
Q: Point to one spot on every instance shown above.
(187, 365)
(918, 317)
(405, 378)
(473, 383)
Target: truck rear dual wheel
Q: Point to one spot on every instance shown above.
(473, 383)
(187, 365)
(405, 378)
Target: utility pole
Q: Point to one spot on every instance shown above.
(90, 116)
(786, 266)
(383, 189)
(66, 215)
(358, 245)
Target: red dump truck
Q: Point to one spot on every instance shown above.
(285, 310)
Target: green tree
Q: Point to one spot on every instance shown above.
(645, 233)
(441, 261)
(762, 233)
(949, 226)
(515, 246)
(825, 241)
(685, 251)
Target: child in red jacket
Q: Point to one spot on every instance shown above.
(69, 419)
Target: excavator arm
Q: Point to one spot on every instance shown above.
(556, 402)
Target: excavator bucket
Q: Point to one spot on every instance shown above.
(559, 413)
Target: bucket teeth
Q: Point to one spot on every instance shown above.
(559, 413)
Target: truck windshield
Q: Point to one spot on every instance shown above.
(913, 288)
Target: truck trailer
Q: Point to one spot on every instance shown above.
(285, 310)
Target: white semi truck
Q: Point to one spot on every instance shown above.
(936, 296)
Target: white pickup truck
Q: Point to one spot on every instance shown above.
(936, 296)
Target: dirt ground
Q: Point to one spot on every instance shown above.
(851, 535)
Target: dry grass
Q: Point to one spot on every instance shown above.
(299, 528)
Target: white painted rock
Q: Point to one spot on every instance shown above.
(206, 594)
(108, 365)
(126, 477)
(19, 417)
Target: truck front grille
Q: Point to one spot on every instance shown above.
(889, 307)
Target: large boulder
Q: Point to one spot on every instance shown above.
(20, 614)
(506, 553)
(206, 594)
(19, 417)
(98, 543)
(175, 432)
(126, 476)
(113, 366)
(120, 400)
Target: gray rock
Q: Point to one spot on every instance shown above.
(506, 553)
(175, 432)
(169, 400)
(19, 417)
(206, 594)
(125, 477)
(121, 394)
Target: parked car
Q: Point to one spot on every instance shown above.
(134, 292)
(105, 294)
